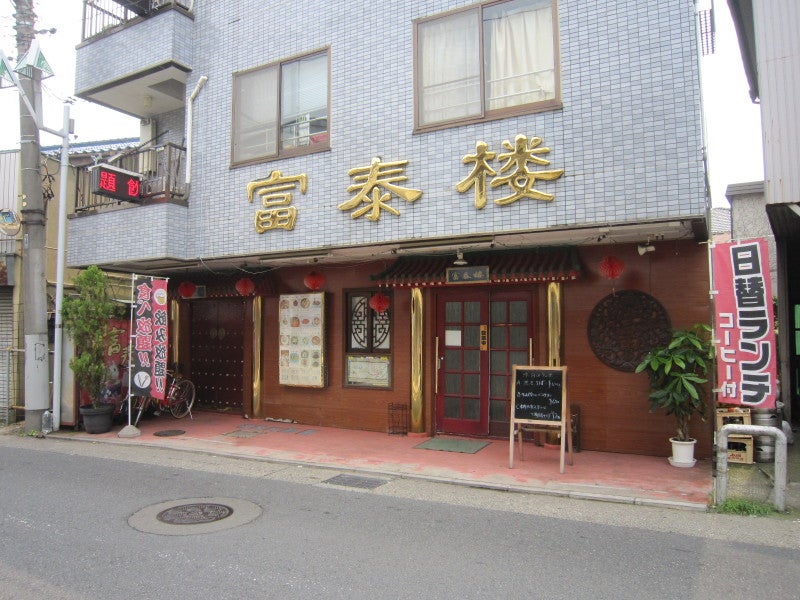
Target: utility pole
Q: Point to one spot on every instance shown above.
(34, 291)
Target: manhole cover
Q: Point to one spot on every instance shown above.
(169, 432)
(356, 481)
(191, 514)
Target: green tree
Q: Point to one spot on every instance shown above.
(86, 318)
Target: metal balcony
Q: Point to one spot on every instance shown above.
(135, 55)
(101, 16)
(163, 170)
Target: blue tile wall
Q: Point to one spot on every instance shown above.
(629, 136)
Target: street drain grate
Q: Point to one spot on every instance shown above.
(356, 481)
(192, 514)
(169, 432)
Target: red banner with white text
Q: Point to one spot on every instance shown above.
(149, 337)
(744, 324)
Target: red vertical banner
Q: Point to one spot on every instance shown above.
(116, 360)
(149, 337)
(744, 324)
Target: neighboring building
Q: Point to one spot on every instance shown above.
(748, 219)
(541, 203)
(81, 155)
(768, 39)
(9, 285)
(720, 224)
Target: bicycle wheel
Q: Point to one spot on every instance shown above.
(139, 405)
(181, 398)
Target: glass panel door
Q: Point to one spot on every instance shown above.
(509, 345)
(462, 400)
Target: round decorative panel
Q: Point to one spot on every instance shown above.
(625, 326)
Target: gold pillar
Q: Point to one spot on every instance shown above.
(175, 319)
(554, 324)
(417, 400)
(257, 355)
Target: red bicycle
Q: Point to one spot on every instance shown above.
(178, 399)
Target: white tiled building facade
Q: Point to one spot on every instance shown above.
(607, 99)
(628, 134)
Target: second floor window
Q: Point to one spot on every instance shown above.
(280, 109)
(486, 62)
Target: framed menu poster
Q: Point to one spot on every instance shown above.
(302, 340)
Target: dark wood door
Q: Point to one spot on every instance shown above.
(217, 353)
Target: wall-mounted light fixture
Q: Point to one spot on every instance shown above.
(459, 261)
(642, 250)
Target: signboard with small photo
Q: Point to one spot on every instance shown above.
(301, 359)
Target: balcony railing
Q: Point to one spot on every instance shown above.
(101, 15)
(163, 170)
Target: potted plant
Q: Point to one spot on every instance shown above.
(86, 316)
(677, 375)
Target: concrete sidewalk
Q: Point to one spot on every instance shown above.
(604, 476)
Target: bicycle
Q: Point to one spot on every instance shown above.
(178, 399)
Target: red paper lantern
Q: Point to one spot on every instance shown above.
(187, 289)
(379, 302)
(245, 286)
(611, 267)
(314, 281)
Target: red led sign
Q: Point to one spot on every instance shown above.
(116, 183)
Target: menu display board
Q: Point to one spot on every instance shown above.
(302, 340)
(538, 394)
(539, 403)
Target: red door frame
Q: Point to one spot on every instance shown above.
(463, 355)
(485, 296)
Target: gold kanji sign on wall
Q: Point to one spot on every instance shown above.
(276, 197)
(514, 172)
(375, 186)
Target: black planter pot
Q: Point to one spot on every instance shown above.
(97, 420)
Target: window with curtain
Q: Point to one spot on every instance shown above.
(281, 109)
(501, 60)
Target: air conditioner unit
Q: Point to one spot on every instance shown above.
(154, 186)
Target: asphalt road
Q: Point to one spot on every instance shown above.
(66, 510)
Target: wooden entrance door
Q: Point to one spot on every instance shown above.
(217, 353)
(481, 336)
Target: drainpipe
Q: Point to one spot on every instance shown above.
(189, 126)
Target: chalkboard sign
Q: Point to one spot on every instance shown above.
(539, 403)
(538, 394)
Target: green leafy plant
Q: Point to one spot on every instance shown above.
(677, 375)
(86, 319)
(747, 508)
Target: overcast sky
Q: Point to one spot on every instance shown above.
(733, 131)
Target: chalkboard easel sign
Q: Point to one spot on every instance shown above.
(539, 403)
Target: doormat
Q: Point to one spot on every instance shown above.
(241, 434)
(448, 445)
(169, 432)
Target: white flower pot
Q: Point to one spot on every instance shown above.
(682, 453)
